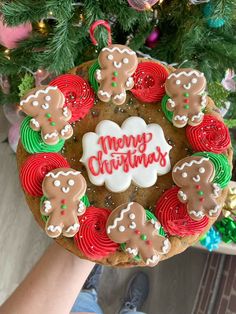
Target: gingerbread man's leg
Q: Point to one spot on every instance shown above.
(196, 118)
(119, 96)
(195, 210)
(180, 117)
(52, 228)
(104, 95)
(66, 131)
(71, 226)
(35, 125)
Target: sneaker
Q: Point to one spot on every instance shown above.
(136, 292)
(92, 281)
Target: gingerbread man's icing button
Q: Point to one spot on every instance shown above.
(186, 88)
(117, 65)
(194, 175)
(45, 105)
(63, 189)
(127, 224)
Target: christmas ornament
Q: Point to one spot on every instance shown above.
(13, 113)
(40, 76)
(212, 21)
(142, 5)
(153, 38)
(229, 81)
(198, 1)
(11, 35)
(13, 136)
(4, 82)
(211, 239)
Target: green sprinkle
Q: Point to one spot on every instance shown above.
(115, 73)
(186, 94)
(114, 84)
(48, 115)
(53, 123)
(201, 193)
(63, 206)
(143, 237)
(186, 107)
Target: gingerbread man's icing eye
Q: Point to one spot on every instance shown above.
(122, 228)
(110, 57)
(194, 81)
(57, 183)
(184, 174)
(132, 216)
(125, 60)
(48, 98)
(35, 103)
(202, 170)
(71, 182)
(178, 82)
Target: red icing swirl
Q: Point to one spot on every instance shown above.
(174, 217)
(79, 96)
(149, 82)
(211, 135)
(36, 167)
(92, 238)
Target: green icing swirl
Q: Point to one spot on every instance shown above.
(223, 171)
(32, 140)
(168, 114)
(149, 216)
(92, 79)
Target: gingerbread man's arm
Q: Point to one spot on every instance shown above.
(100, 75)
(129, 83)
(47, 207)
(216, 190)
(171, 104)
(81, 208)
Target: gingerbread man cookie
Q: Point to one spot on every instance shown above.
(45, 105)
(118, 63)
(186, 89)
(127, 224)
(194, 175)
(63, 188)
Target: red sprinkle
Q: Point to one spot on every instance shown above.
(198, 187)
(149, 82)
(62, 212)
(174, 217)
(137, 232)
(36, 167)
(201, 199)
(79, 96)
(186, 101)
(92, 239)
(63, 201)
(148, 242)
(211, 135)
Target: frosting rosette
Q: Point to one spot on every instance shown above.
(211, 135)
(32, 140)
(92, 80)
(92, 238)
(79, 96)
(174, 217)
(149, 82)
(36, 167)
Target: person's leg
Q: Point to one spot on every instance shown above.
(136, 294)
(87, 299)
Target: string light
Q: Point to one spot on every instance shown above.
(41, 24)
(7, 53)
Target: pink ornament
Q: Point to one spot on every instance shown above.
(229, 82)
(142, 5)
(153, 38)
(13, 113)
(14, 136)
(40, 75)
(10, 35)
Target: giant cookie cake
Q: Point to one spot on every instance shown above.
(124, 161)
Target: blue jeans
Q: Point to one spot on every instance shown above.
(87, 302)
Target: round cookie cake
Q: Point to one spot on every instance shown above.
(146, 170)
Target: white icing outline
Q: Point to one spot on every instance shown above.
(47, 206)
(103, 93)
(50, 135)
(41, 91)
(134, 252)
(98, 74)
(181, 118)
(215, 210)
(182, 195)
(81, 207)
(65, 130)
(129, 82)
(197, 73)
(65, 112)
(54, 228)
(155, 224)
(120, 96)
(197, 116)
(204, 101)
(35, 122)
(166, 246)
(217, 189)
(154, 259)
(62, 173)
(125, 50)
(73, 227)
(172, 102)
(197, 213)
(120, 218)
(189, 164)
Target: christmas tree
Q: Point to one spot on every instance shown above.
(185, 33)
